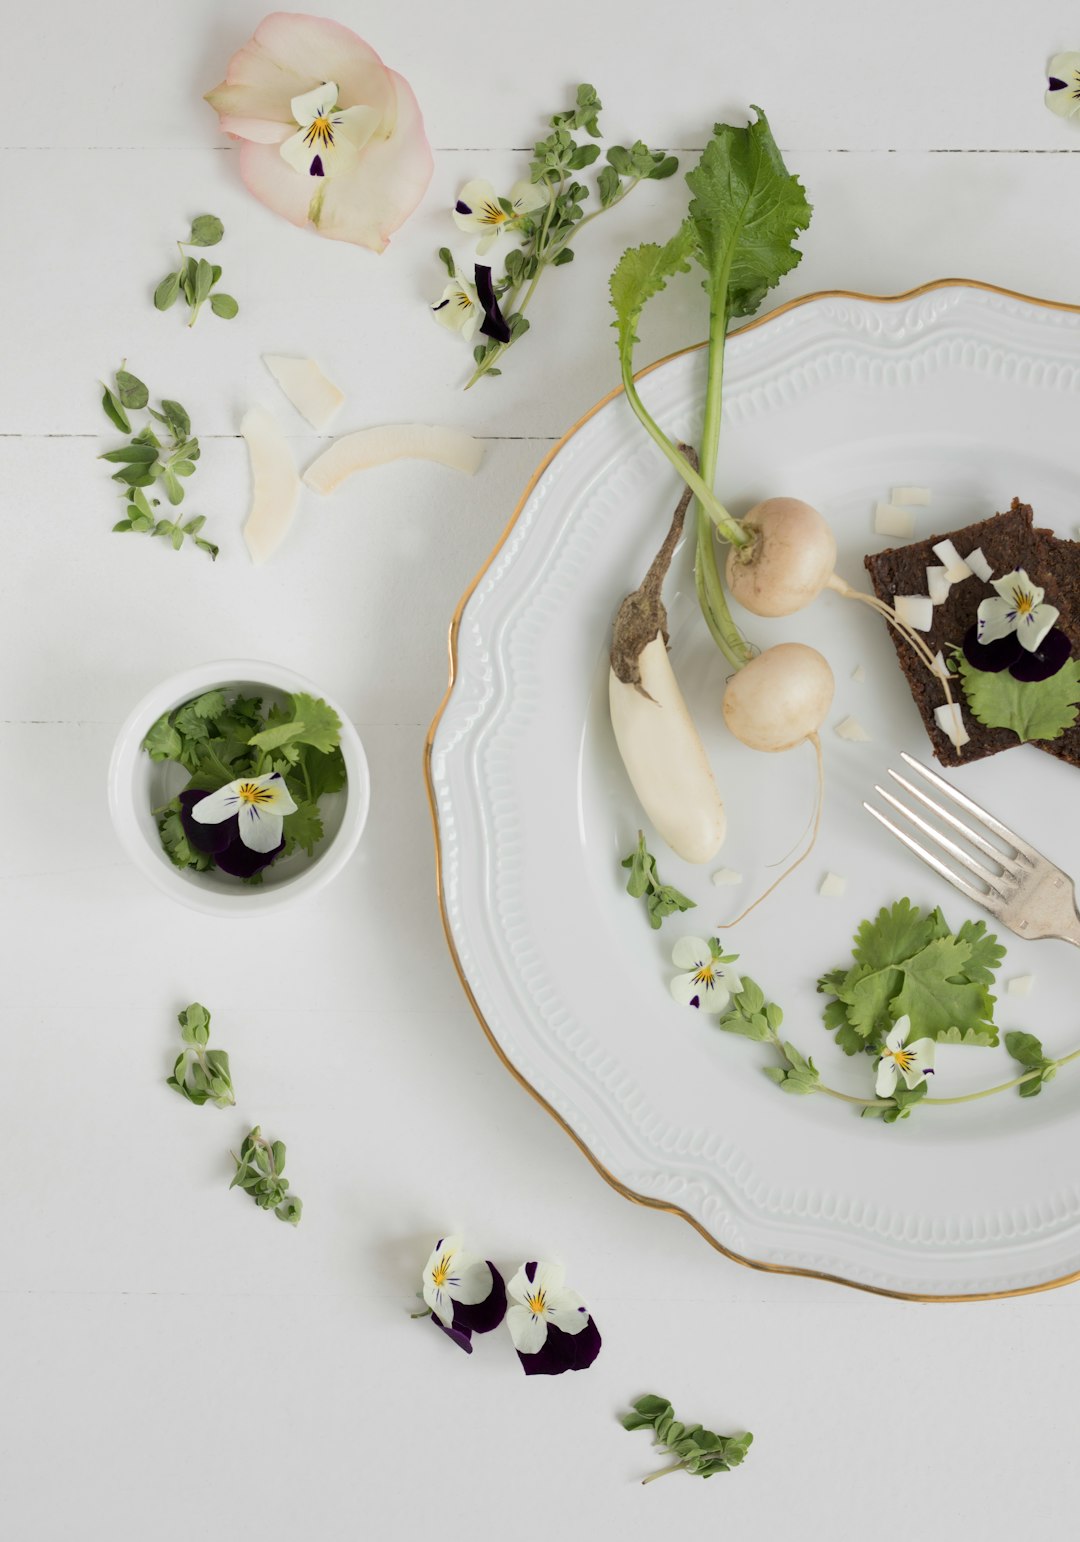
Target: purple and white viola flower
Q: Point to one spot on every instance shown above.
(707, 982)
(478, 209)
(258, 804)
(330, 139)
(913, 1062)
(550, 1325)
(464, 1293)
(459, 308)
(1063, 87)
(1016, 608)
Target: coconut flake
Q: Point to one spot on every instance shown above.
(941, 669)
(725, 876)
(311, 393)
(912, 496)
(850, 728)
(1020, 984)
(949, 720)
(979, 565)
(951, 560)
(858, 673)
(275, 486)
(889, 520)
(937, 584)
(916, 610)
(832, 886)
(398, 441)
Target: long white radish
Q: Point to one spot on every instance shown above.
(665, 758)
(660, 747)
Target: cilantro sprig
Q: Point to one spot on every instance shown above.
(698, 1451)
(545, 234)
(219, 739)
(196, 278)
(1031, 709)
(165, 457)
(661, 899)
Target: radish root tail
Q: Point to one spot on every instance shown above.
(815, 740)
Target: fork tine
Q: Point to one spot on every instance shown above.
(992, 880)
(972, 836)
(988, 901)
(972, 808)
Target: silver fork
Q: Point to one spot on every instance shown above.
(1024, 890)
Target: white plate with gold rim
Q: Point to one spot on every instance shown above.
(972, 392)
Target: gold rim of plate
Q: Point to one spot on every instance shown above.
(455, 626)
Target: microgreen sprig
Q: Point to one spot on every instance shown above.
(201, 1075)
(148, 459)
(700, 1452)
(260, 1172)
(661, 899)
(196, 278)
(545, 233)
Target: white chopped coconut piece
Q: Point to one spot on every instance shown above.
(941, 669)
(275, 485)
(916, 610)
(979, 565)
(850, 728)
(937, 584)
(398, 441)
(951, 722)
(858, 673)
(889, 520)
(917, 497)
(1020, 984)
(725, 876)
(951, 561)
(311, 393)
(832, 886)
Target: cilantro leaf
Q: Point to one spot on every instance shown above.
(746, 211)
(986, 952)
(1032, 709)
(177, 847)
(312, 722)
(936, 996)
(895, 933)
(325, 773)
(162, 742)
(642, 272)
(303, 828)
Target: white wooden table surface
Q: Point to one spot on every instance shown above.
(174, 1364)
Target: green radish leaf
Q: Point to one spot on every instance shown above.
(642, 272)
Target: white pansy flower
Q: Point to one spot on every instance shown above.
(540, 1300)
(479, 211)
(913, 1062)
(1018, 607)
(458, 308)
(450, 1275)
(1063, 95)
(260, 803)
(707, 982)
(330, 138)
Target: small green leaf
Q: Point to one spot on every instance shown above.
(177, 418)
(167, 292)
(1031, 709)
(608, 184)
(114, 411)
(133, 394)
(224, 305)
(446, 258)
(206, 230)
(132, 455)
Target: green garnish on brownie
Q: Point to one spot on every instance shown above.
(1043, 711)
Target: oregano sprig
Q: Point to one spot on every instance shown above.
(200, 1074)
(196, 278)
(698, 1451)
(260, 1172)
(165, 457)
(661, 899)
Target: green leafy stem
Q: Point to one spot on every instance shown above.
(753, 1017)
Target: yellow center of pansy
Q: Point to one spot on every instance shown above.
(536, 1303)
(440, 1271)
(320, 132)
(247, 792)
(492, 214)
(1024, 601)
(904, 1059)
(705, 975)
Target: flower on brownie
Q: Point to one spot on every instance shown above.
(465, 1293)
(239, 825)
(551, 1326)
(913, 1062)
(1063, 87)
(329, 136)
(1015, 631)
(480, 210)
(707, 982)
